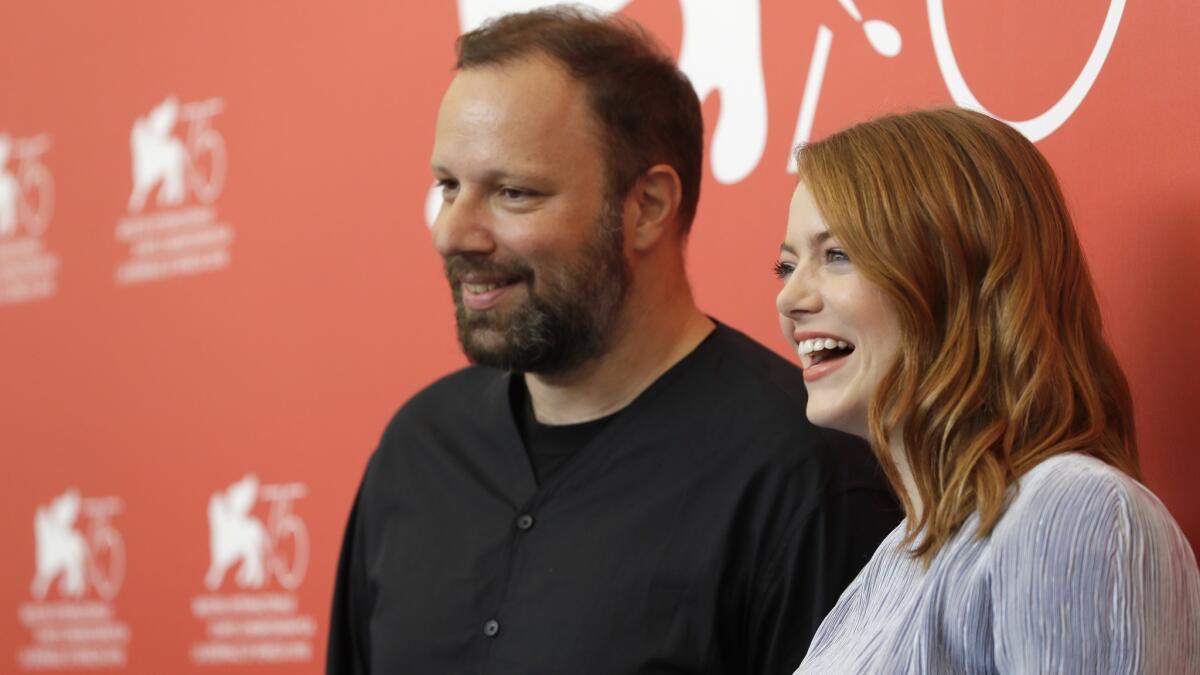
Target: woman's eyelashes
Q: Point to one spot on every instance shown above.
(782, 270)
(832, 256)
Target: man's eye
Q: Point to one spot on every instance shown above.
(836, 255)
(514, 193)
(782, 270)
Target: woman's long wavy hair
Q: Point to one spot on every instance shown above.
(1003, 361)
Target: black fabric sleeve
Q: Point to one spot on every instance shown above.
(820, 556)
(349, 639)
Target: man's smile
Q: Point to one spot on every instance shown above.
(482, 295)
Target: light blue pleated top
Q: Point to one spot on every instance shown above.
(1086, 572)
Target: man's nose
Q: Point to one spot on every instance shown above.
(462, 226)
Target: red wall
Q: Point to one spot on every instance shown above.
(313, 304)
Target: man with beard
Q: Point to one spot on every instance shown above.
(619, 484)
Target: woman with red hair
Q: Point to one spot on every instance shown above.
(941, 308)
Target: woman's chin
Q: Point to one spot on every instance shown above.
(837, 419)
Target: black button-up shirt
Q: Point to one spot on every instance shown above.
(707, 528)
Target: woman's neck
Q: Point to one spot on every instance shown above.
(900, 458)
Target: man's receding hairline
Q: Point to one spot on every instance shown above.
(612, 56)
(527, 53)
(598, 128)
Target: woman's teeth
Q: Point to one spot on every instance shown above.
(806, 347)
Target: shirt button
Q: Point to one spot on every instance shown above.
(491, 628)
(524, 521)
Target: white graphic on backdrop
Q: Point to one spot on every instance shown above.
(235, 536)
(27, 270)
(78, 551)
(164, 161)
(722, 52)
(255, 624)
(10, 190)
(96, 560)
(1041, 126)
(735, 71)
(61, 549)
(883, 38)
(184, 174)
(159, 159)
(26, 195)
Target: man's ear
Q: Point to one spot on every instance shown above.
(656, 196)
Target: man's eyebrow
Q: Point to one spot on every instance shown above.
(492, 176)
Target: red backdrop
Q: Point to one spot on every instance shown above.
(214, 263)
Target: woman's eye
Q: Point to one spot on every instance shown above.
(447, 185)
(782, 270)
(836, 255)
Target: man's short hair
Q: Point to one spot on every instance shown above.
(647, 108)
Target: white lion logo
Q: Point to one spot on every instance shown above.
(60, 548)
(236, 536)
(158, 157)
(9, 190)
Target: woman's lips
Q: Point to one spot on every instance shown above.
(821, 354)
(826, 366)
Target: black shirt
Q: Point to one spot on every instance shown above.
(549, 445)
(707, 528)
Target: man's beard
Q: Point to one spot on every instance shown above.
(568, 316)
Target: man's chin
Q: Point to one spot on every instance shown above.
(483, 340)
(486, 346)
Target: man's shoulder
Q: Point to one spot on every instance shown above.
(458, 411)
(754, 390)
(471, 382)
(756, 428)
(754, 400)
(471, 389)
(751, 363)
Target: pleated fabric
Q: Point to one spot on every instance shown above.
(1086, 572)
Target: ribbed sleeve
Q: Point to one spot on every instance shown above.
(1086, 572)
(1091, 575)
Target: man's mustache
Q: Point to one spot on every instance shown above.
(459, 265)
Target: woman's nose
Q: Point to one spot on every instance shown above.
(798, 297)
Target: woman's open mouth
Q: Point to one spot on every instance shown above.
(821, 356)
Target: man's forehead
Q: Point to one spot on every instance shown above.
(533, 64)
(523, 109)
(527, 90)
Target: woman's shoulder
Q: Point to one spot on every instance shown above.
(1072, 484)
(1088, 569)
(1079, 502)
